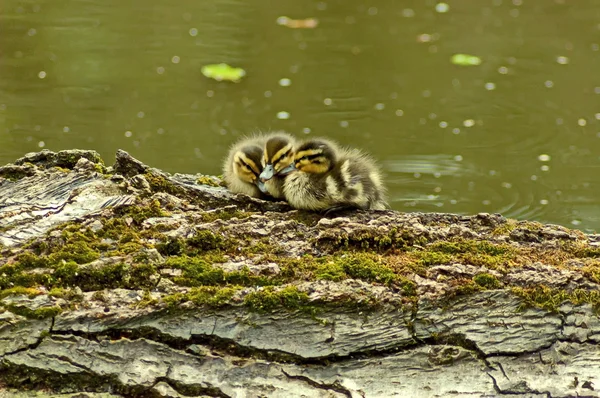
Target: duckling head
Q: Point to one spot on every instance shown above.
(314, 156)
(278, 158)
(247, 165)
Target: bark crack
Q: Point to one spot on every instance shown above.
(231, 347)
(519, 388)
(336, 386)
(34, 345)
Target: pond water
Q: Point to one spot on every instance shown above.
(518, 134)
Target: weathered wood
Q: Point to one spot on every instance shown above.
(175, 300)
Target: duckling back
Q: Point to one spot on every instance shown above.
(362, 180)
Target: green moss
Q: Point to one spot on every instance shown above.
(69, 159)
(270, 298)
(127, 248)
(481, 253)
(586, 251)
(198, 272)
(147, 300)
(505, 229)
(78, 252)
(29, 260)
(368, 240)
(12, 275)
(141, 275)
(99, 296)
(205, 240)
(108, 276)
(487, 281)
(429, 258)
(70, 274)
(61, 169)
(550, 299)
(592, 270)
(141, 211)
(113, 228)
(331, 271)
(15, 173)
(463, 287)
(65, 293)
(208, 180)
(365, 268)
(40, 313)
(19, 290)
(469, 246)
(159, 183)
(100, 169)
(170, 247)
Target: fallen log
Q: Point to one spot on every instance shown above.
(127, 281)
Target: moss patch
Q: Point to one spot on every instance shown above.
(19, 290)
(40, 313)
(15, 173)
(270, 298)
(487, 281)
(550, 299)
(141, 212)
(368, 240)
(209, 180)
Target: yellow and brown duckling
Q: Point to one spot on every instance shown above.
(330, 178)
(278, 157)
(243, 166)
(245, 162)
(325, 177)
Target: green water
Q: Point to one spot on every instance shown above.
(518, 134)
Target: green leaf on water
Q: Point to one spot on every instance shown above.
(465, 59)
(222, 72)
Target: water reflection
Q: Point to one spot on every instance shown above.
(518, 134)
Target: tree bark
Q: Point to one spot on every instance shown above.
(126, 281)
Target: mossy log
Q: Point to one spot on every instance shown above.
(127, 281)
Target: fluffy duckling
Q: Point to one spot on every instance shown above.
(329, 178)
(278, 158)
(243, 166)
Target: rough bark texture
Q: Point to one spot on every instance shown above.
(126, 281)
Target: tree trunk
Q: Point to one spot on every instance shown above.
(127, 281)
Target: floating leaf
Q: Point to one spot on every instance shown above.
(221, 72)
(308, 23)
(465, 59)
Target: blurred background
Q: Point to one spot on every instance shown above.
(512, 126)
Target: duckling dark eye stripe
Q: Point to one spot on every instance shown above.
(250, 165)
(313, 157)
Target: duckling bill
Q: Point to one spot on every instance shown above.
(278, 157)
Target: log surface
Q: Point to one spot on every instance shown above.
(198, 292)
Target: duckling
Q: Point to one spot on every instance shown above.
(329, 178)
(243, 166)
(278, 156)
